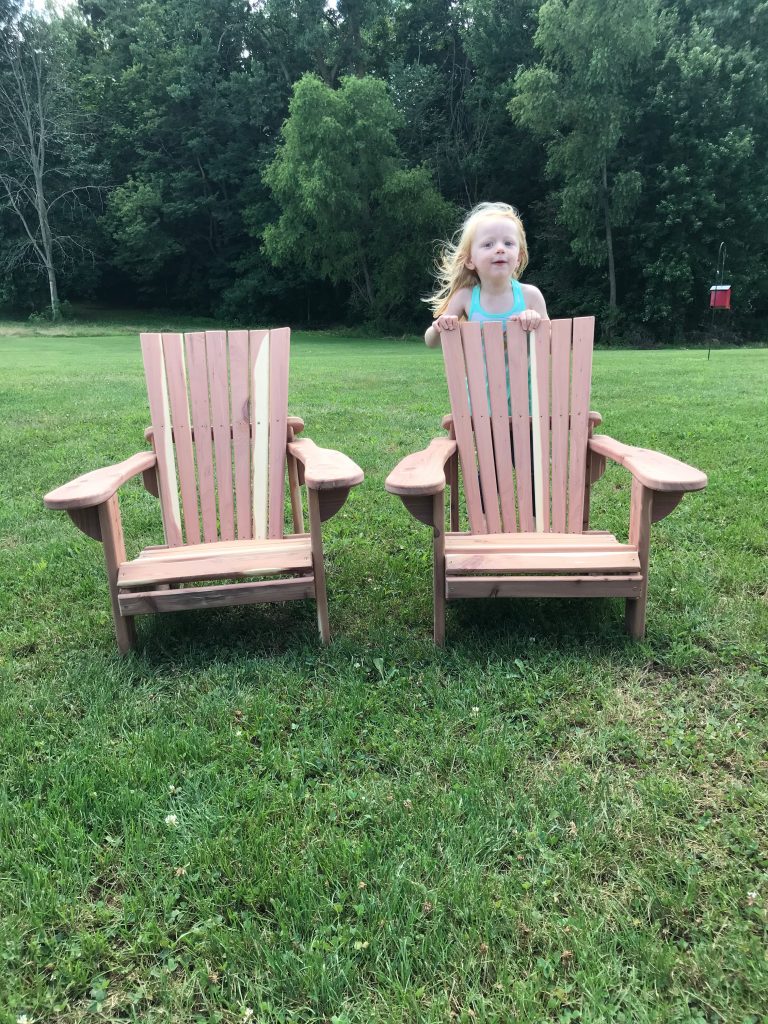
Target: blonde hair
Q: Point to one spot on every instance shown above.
(451, 268)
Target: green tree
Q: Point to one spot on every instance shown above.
(580, 98)
(703, 133)
(351, 212)
(189, 122)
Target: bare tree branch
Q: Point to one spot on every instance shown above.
(37, 125)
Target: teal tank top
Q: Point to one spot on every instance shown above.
(478, 315)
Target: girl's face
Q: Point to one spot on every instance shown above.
(495, 251)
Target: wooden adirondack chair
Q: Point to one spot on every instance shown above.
(221, 435)
(528, 460)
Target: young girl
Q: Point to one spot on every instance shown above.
(478, 276)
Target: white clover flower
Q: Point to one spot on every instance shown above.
(24, 1019)
(171, 820)
(247, 1014)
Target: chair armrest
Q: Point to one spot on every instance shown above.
(652, 469)
(423, 472)
(324, 468)
(97, 487)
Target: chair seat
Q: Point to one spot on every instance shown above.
(547, 553)
(220, 560)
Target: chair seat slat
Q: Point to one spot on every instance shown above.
(467, 543)
(620, 558)
(210, 562)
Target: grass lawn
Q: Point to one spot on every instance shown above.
(543, 822)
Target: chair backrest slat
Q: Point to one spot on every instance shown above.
(219, 408)
(241, 431)
(517, 349)
(453, 353)
(278, 403)
(495, 358)
(561, 372)
(197, 363)
(260, 428)
(535, 388)
(540, 425)
(581, 382)
(157, 391)
(481, 424)
(176, 375)
(218, 382)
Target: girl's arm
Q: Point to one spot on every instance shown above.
(449, 318)
(535, 308)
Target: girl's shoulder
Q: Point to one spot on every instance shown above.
(462, 299)
(534, 299)
(530, 291)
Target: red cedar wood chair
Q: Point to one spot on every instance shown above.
(527, 473)
(221, 435)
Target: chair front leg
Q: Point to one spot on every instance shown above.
(640, 519)
(438, 554)
(318, 565)
(114, 553)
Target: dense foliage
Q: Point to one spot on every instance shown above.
(289, 159)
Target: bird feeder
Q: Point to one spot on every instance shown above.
(720, 296)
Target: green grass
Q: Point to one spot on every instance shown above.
(543, 822)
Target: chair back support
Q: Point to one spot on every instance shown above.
(219, 408)
(523, 453)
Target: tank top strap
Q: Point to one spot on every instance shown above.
(474, 303)
(517, 291)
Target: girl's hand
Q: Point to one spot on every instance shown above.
(446, 323)
(529, 319)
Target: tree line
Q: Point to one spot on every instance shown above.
(265, 160)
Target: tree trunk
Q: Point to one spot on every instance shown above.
(47, 244)
(609, 240)
(368, 285)
(55, 304)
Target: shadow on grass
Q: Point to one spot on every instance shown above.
(517, 628)
(253, 631)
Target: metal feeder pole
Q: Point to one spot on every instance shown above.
(719, 275)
